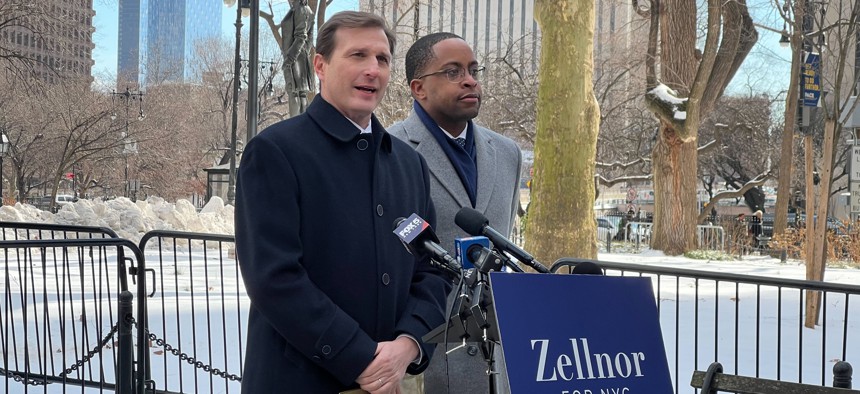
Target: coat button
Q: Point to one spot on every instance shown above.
(362, 144)
(379, 209)
(386, 279)
(326, 349)
(472, 350)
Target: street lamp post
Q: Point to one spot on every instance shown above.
(237, 68)
(127, 146)
(253, 64)
(4, 147)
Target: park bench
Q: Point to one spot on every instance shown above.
(714, 380)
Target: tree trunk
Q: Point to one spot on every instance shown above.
(674, 161)
(561, 215)
(819, 260)
(786, 154)
(811, 296)
(674, 193)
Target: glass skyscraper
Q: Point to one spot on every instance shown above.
(157, 38)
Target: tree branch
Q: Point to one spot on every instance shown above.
(651, 56)
(270, 19)
(737, 41)
(620, 165)
(628, 178)
(759, 180)
(703, 73)
(717, 142)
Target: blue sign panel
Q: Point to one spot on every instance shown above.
(811, 80)
(580, 334)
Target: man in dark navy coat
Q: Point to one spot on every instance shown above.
(336, 302)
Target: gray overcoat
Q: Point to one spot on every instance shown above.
(499, 164)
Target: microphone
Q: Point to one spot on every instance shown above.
(420, 240)
(587, 268)
(484, 259)
(488, 260)
(475, 223)
(462, 245)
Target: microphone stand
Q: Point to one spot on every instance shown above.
(472, 316)
(478, 310)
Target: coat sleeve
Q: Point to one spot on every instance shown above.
(515, 203)
(269, 249)
(427, 294)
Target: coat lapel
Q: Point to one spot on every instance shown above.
(437, 162)
(486, 167)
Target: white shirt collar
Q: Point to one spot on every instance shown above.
(363, 130)
(462, 134)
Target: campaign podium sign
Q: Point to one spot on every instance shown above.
(580, 334)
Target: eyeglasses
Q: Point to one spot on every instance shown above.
(456, 75)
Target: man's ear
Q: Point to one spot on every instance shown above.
(417, 88)
(318, 67)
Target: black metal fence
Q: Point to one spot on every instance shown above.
(752, 325)
(197, 308)
(61, 313)
(35, 231)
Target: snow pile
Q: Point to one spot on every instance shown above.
(129, 219)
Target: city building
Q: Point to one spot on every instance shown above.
(157, 38)
(494, 28)
(499, 27)
(56, 36)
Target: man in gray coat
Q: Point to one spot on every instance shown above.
(470, 166)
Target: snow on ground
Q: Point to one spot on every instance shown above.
(130, 219)
(203, 310)
(749, 265)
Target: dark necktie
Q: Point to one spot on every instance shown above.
(461, 141)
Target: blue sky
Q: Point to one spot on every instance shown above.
(768, 65)
(107, 16)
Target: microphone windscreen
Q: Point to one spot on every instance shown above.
(471, 221)
(587, 268)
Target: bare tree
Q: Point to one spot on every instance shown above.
(742, 126)
(691, 84)
(838, 30)
(69, 122)
(25, 23)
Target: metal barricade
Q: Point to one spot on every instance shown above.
(197, 312)
(754, 325)
(17, 231)
(62, 311)
(619, 228)
(711, 237)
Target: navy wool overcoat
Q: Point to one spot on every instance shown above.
(315, 207)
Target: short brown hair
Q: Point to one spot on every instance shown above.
(349, 20)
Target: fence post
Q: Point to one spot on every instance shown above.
(124, 373)
(608, 241)
(842, 375)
